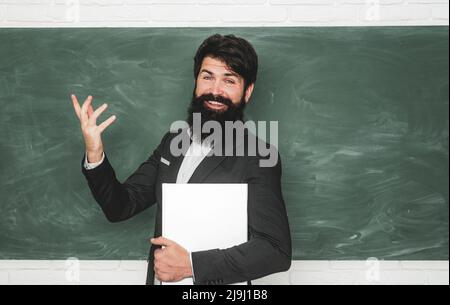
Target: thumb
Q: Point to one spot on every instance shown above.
(161, 241)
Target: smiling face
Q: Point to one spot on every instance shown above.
(217, 80)
(218, 94)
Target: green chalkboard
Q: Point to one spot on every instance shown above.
(363, 118)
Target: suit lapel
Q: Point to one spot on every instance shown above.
(175, 162)
(212, 162)
(208, 164)
(172, 173)
(205, 168)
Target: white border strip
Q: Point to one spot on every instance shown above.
(38, 25)
(113, 272)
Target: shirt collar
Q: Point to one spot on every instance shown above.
(195, 139)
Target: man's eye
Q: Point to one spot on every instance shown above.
(229, 81)
(207, 77)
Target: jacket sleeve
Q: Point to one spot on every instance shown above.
(120, 201)
(268, 249)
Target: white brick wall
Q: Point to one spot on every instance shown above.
(301, 273)
(221, 13)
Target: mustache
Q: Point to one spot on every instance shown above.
(215, 98)
(233, 112)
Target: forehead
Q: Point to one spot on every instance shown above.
(216, 66)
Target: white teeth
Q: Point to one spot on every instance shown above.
(215, 103)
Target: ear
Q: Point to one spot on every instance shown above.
(248, 92)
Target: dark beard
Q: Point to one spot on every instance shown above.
(233, 113)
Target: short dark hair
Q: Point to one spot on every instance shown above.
(237, 53)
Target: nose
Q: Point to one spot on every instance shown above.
(217, 88)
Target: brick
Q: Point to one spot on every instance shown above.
(113, 13)
(88, 265)
(231, 2)
(440, 12)
(347, 265)
(403, 277)
(301, 2)
(370, 2)
(425, 265)
(253, 14)
(364, 265)
(37, 277)
(280, 278)
(62, 13)
(324, 13)
(405, 13)
(89, 2)
(133, 265)
(99, 265)
(28, 13)
(113, 277)
(26, 1)
(298, 277)
(152, 2)
(24, 264)
(99, 2)
(183, 13)
(428, 1)
(311, 265)
(4, 278)
(438, 278)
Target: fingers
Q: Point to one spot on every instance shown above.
(106, 123)
(162, 268)
(163, 272)
(158, 253)
(95, 114)
(86, 113)
(76, 106)
(84, 108)
(161, 241)
(163, 276)
(90, 111)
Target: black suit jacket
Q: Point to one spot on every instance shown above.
(268, 249)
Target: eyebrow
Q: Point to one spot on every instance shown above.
(225, 74)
